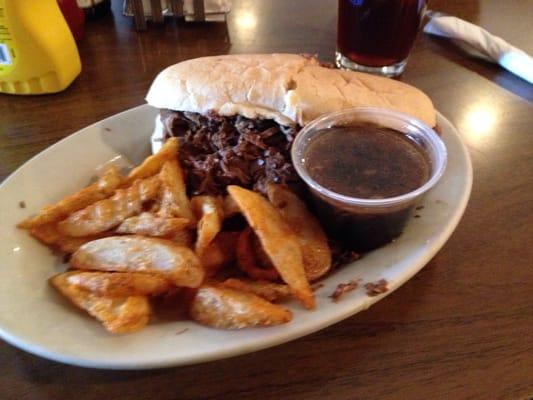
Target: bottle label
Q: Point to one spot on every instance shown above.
(7, 44)
(5, 58)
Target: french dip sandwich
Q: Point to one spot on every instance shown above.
(237, 115)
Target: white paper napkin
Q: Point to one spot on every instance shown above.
(492, 47)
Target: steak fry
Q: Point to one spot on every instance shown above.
(174, 201)
(50, 235)
(224, 308)
(120, 283)
(117, 314)
(209, 212)
(108, 213)
(278, 241)
(153, 164)
(103, 188)
(149, 224)
(267, 290)
(141, 254)
(315, 248)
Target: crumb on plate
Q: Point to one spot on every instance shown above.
(344, 288)
(376, 288)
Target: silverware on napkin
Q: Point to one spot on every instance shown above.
(490, 46)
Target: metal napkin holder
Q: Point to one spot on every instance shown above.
(136, 8)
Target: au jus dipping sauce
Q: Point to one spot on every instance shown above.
(365, 161)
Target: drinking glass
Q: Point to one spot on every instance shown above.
(376, 36)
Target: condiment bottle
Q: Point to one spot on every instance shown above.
(38, 53)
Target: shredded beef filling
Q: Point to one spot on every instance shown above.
(218, 151)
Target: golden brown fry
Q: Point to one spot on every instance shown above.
(103, 188)
(149, 224)
(174, 201)
(209, 212)
(153, 164)
(219, 253)
(50, 235)
(315, 248)
(267, 290)
(108, 213)
(224, 308)
(247, 261)
(120, 283)
(278, 241)
(141, 254)
(118, 314)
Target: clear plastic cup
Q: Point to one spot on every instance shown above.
(359, 223)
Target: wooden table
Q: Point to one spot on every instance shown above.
(460, 329)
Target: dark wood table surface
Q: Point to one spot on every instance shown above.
(462, 328)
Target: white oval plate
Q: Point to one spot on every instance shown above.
(34, 318)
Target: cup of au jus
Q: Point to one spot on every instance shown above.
(366, 169)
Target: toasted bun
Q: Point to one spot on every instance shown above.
(284, 87)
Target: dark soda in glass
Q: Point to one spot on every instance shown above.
(377, 33)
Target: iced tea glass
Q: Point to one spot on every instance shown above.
(376, 36)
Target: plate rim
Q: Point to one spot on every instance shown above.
(43, 351)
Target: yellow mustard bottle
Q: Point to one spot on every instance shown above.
(37, 51)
